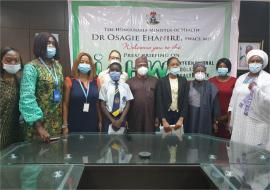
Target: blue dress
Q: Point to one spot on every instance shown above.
(78, 120)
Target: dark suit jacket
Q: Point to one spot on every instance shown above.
(164, 96)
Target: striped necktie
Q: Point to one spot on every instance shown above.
(116, 108)
(116, 101)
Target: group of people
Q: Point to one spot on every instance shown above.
(38, 102)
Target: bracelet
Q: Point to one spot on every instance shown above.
(64, 126)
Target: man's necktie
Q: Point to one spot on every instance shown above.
(116, 102)
(116, 108)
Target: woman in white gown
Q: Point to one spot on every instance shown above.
(250, 103)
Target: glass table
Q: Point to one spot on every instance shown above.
(138, 161)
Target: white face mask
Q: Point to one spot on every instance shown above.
(115, 61)
(142, 71)
(255, 67)
(175, 71)
(12, 69)
(200, 76)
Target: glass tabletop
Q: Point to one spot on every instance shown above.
(134, 149)
(238, 176)
(40, 176)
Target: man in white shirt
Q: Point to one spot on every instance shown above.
(115, 99)
(104, 76)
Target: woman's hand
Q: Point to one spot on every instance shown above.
(41, 132)
(166, 126)
(178, 124)
(65, 131)
(223, 119)
(215, 127)
(100, 126)
(156, 123)
(252, 85)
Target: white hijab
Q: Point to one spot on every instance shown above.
(259, 53)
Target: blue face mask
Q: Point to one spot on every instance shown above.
(84, 68)
(175, 71)
(115, 76)
(51, 52)
(223, 71)
(255, 67)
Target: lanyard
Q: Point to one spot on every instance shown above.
(54, 76)
(87, 92)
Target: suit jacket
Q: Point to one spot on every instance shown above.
(164, 96)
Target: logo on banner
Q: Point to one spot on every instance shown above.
(153, 18)
(98, 57)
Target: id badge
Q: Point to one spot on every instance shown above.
(86, 107)
(56, 95)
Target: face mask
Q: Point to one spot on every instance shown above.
(115, 76)
(255, 67)
(51, 51)
(222, 71)
(142, 71)
(175, 71)
(12, 69)
(84, 68)
(115, 61)
(199, 76)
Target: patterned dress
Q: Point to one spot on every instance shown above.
(10, 131)
(36, 98)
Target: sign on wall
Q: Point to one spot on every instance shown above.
(190, 31)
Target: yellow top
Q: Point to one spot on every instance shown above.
(174, 92)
